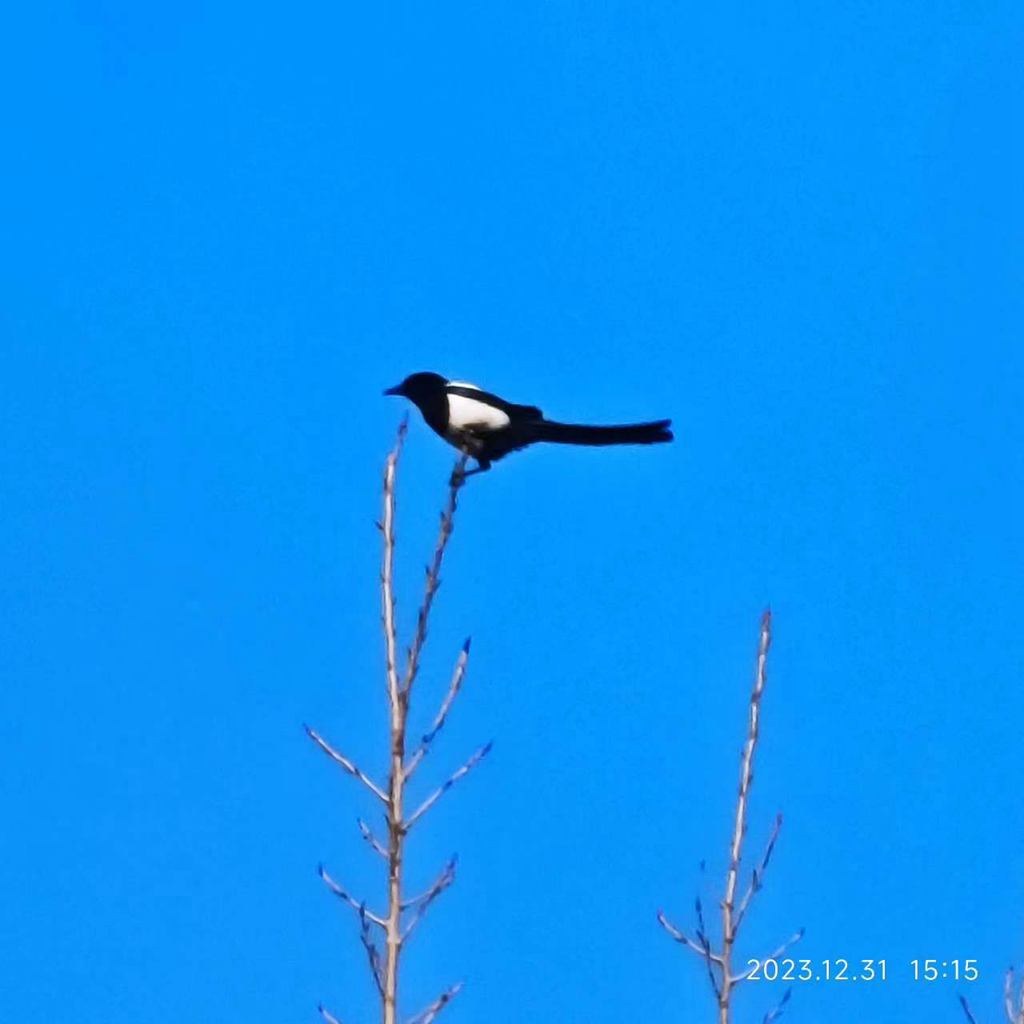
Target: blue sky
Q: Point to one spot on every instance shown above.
(797, 232)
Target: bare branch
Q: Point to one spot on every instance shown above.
(702, 930)
(791, 941)
(399, 693)
(433, 580)
(359, 906)
(370, 838)
(422, 902)
(742, 800)
(705, 943)
(443, 880)
(328, 1017)
(703, 951)
(757, 875)
(473, 761)
(372, 954)
(428, 1015)
(1008, 996)
(773, 955)
(442, 715)
(387, 570)
(384, 962)
(718, 962)
(345, 763)
(398, 707)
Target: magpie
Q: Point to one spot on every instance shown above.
(488, 428)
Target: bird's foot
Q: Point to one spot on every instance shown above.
(460, 474)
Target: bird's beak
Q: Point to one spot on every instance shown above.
(396, 390)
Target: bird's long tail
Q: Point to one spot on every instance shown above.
(656, 432)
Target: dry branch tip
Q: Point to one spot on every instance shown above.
(346, 763)
(327, 1016)
(967, 1010)
(428, 1015)
(371, 840)
(461, 773)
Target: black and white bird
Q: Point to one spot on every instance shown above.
(488, 428)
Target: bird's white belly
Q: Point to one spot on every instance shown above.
(469, 415)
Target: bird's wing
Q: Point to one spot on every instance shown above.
(515, 413)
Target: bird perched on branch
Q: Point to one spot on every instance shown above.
(488, 428)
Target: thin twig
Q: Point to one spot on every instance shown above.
(740, 825)
(422, 902)
(443, 880)
(387, 570)
(430, 1013)
(372, 954)
(343, 894)
(757, 875)
(398, 708)
(442, 715)
(773, 955)
(345, 763)
(702, 930)
(1008, 996)
(473, 761)
(433, 580)
(371, 839)
(705, 944)
(680, 936)
(967, 1010)
(718, 962)
(327, 1016)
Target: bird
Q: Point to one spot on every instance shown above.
(486, 427)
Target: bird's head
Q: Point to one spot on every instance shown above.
(418, 387)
